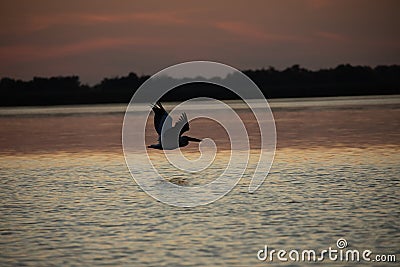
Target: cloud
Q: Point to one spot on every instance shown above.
(43, 22)
(254, 34)
(335, 37)
(23, 53)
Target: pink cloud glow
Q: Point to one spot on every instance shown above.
(336, 37)
(24, 53)
(255, 34)
(89, 36)
(43, 22)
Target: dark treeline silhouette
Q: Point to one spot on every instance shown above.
(344, 80)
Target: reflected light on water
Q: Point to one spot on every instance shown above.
(67, 197)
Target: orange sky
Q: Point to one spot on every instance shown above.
(102, 38)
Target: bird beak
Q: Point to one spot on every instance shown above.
(193, 139)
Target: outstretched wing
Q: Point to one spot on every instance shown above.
(182, 124)
(162, 120)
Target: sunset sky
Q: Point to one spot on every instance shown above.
(103, 38)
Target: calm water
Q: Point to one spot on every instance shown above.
(67, 197)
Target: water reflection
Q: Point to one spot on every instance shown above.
(65, 201)
(84, 208)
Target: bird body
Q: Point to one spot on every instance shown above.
(170, 137)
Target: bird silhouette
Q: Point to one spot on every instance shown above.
(170, 137)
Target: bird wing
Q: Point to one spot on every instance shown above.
(162, 120)
(182, 124)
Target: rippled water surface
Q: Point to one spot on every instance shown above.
(68, 199)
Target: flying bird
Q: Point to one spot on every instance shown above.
(170, 137)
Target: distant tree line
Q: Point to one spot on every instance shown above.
(344, 80)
